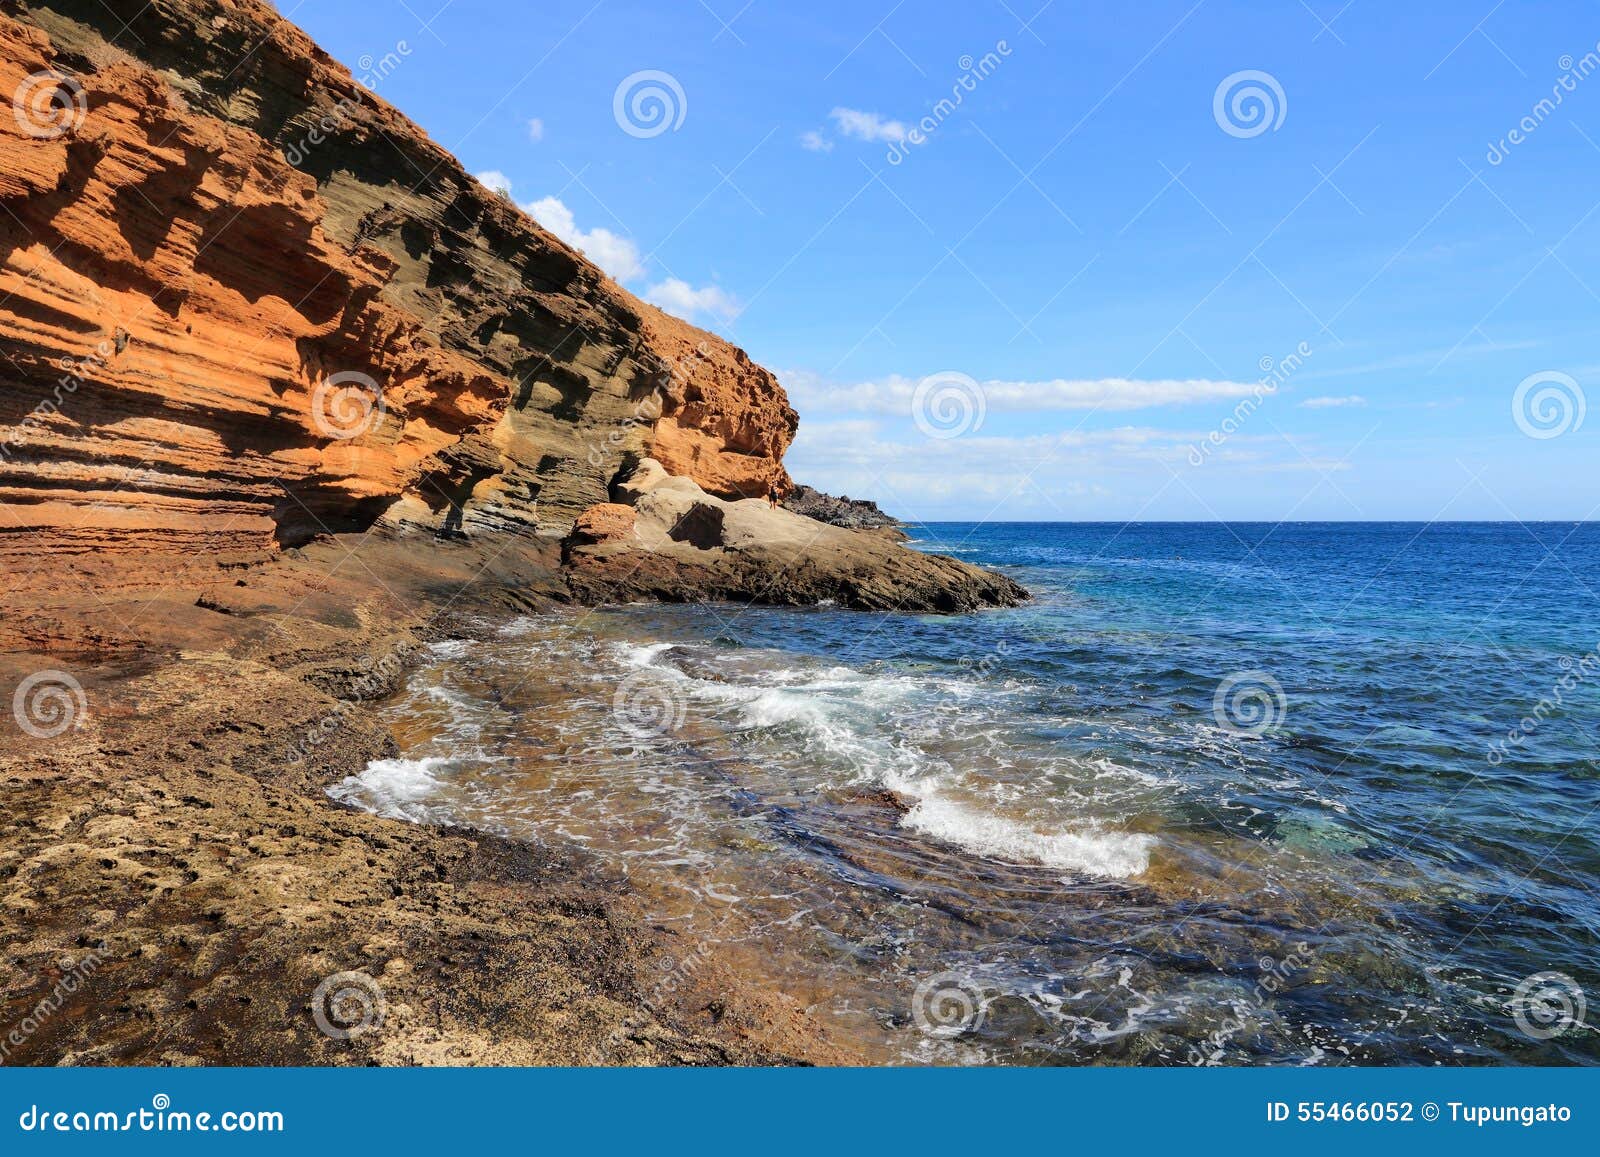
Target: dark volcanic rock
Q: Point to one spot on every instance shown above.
(850, 513)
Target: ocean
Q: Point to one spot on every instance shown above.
(1308, 793)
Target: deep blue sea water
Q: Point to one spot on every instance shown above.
(1293, 794)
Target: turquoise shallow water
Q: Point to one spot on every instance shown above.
(1312, 793)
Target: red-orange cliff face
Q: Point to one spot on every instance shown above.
(243, 300)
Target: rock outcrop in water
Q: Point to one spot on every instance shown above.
(851, 513)
(684, 545)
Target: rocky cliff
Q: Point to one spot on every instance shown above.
(246, 302)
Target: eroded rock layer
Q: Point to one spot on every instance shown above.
(246, 301)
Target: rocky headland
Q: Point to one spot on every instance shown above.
(286, 394)
(841, 510)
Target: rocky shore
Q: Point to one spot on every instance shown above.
(850, 513)
(275, 413)
(175, 884)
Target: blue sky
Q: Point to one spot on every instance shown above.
(1095, 250)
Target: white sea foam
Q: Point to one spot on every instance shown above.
(1114, 854)
(396, 788)
(641, 654)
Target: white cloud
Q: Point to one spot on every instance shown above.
(813, 140)
(894, 394)
(677, 296)
(617, 255)
(867, 126)
(1327, 403)
(495, 180)
(620, 257)
(535, 129)
(1074, 473)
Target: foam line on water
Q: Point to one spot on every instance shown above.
(1108, 854)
